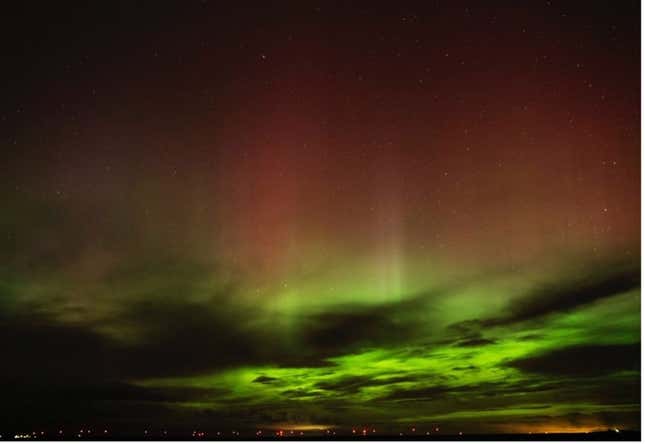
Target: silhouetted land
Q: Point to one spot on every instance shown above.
(316, 436)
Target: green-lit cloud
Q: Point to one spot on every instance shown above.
(176, 339)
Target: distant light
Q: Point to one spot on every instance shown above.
(617, 430)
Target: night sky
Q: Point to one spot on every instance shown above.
(320, 215)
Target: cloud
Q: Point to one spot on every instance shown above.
(334, 333)
(600, 282)
(351, 327)
(355, 384)
(76, 355)
(466, 368)
(583, 360)
(475, 342)
(265, 379)
(605, 281)
(159, 337)
(431, 393)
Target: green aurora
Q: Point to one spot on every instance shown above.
(512, 350)
(283, 216)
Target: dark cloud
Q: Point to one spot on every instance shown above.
(346, 385)
(466, 367)
(298, 393)
(107, 391)
(608, 281)
(168, 336)
(84, 402)
(184, 338)
(583, 360)
(431, 393)
(603, 281)
(354, 384)
(475, 342)
(37, 350)
(467, 334)
(65, 373)
(468, 327)
(354, 326)
(336, 332)
(265, 379)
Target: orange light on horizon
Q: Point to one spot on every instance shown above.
(556, 428)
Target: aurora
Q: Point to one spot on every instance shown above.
(321, 217)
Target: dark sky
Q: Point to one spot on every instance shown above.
(321, 215)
